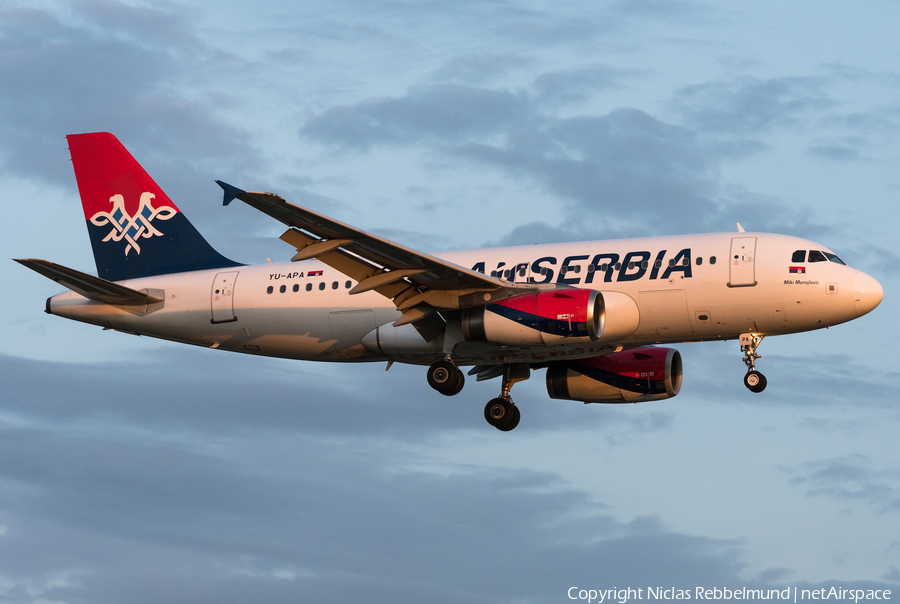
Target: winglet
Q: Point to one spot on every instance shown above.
(230, 192)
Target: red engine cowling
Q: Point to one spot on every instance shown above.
(630, 376)
(551, 317)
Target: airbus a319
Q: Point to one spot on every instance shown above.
(594, 314)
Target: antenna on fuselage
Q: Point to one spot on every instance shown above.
(740, 228)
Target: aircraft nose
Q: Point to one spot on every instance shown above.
(867, 293)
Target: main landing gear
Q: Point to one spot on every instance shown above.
(446, 378)
(754, 380)
(501, 412)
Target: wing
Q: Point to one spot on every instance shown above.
(419, 284)
(89, 286)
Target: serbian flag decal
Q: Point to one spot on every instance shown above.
(798, 270)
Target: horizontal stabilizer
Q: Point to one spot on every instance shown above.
(89, 286)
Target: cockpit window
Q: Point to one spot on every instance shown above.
(833, 257)
(799, 256)
(817, 256)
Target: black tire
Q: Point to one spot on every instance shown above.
(444, 377)
(512, 421)
(755, 381)
(460, 382)
(497, 411)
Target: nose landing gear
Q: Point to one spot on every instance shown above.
(754, 380)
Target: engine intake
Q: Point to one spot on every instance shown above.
(630, 376)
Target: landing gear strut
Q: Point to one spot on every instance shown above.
(501, 412)
(446, 378)
(754, 380)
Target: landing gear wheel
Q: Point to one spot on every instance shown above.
(502, 414)
(446, 378)
(512, 422)
(755, 381)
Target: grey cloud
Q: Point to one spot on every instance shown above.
(623, 168)
(835, 152)
(624, 173)
(851, 478)
(748, 106)
(107, 66)
(576, 85)
(121, 483)
(872, 258)
(444, 112)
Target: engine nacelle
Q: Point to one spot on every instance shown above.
(549, 317)
(630, 376)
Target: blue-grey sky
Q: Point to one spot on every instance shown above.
(134, 470)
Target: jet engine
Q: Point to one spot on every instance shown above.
(630, 376)
(540, 318)
(553, 317)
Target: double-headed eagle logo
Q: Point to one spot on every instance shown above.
(132, 228)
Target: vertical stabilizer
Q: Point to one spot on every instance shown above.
(135, 229)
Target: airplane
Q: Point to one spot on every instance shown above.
(595, 314)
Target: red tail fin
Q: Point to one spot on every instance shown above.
(135, 228)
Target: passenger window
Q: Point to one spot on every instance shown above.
(321, 286)
(644, 264)
(283, 288)
(334, 285)
(712, 259)
(269, 290)
(799, 256)
(347, 285)
(699, 260)
(658, 263)
(296, 287)
(817, 256)
(309, 287)
(631, 266)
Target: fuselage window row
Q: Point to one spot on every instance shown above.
(309, 286)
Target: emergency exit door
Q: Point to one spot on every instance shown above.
(222, 297)
(742, 262)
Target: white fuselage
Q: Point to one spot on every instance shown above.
(304, 310)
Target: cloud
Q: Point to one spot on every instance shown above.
(109, 505)
(442, 112)
(622, 168)
(106, 66)
(749, 106)
(575, 85)
(851, 478)
(621, 173)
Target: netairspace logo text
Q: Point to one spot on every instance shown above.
(789, 594)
